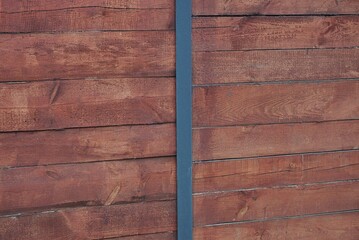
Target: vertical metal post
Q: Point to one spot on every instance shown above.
(184, 117)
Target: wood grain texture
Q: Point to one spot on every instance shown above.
(92, 222)
(156, 236)
(242, 33)
(275, 7)
(100, 183)
(275, 171)
(86, 103)
(263, 104)
(266, 140)
(9, 6)
(87, 19)
(86, 145)
(86, 55)
(327, 227)
(275, 202)
(276, 65)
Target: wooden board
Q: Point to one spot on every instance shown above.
(275, 171)
(275, 202)
(46, 5)
(92, 222)
(266, 140)
(92, 55)
(263, 104)
(327, 227)
(73, 185)
(87, 19)
(87, 145)
(156, 236)
(243, 33)
(274, 7)
(86, 103)
(276, 65)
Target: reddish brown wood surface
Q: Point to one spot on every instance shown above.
(86, 145)
(263, 104)
(275, 202)
(43, 5)
(276, 65)
(156, 236)
(265, 140)
(275, 171)
(241, 33)
(92, 55)
(86, 103)
(87, 19)
(92, 222)
(275, 7)
(100, 183)
(327, 227)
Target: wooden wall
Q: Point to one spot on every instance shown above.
(276, 119)
(87, 112)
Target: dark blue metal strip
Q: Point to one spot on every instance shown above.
(184, 117)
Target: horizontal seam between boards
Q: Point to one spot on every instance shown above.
(288, 186)
(312, 49)
(136, 235)
(87, 127)
(170, 30)
(280, 218)
(229, 15)
(272, 124)
(274, 155)
(278, 82)
(55, 210)
(161, 157)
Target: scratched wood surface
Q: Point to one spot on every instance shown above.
(275, 114)
(87, 113)
(275, 65)
(82, 103)
(325, 227)
(93, 222)
(276, 103)
(274, 7)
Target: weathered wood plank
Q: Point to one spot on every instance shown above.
(262, 104)
(86, 103)
(86, 145)
(275, 202)
(85, 19)
(100, 183)
(275, 171)
(46, 5)
(86, 55)
(242, 33)
(92, 222)
(266, 140)
(327, 227)
(276, 65)
(275, 7)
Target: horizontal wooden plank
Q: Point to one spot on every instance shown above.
(85, 145)
(86, 55)
(100, 183)
(275, 202)
(92, 222)
(262, 104)
(86, 103)
(327, 227)
(266, 140)
(156, 236)
(275, 7)
(87, 18)
(43, 5)
(242, 33)
(276, 65)
(275, 171)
